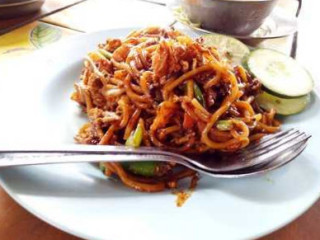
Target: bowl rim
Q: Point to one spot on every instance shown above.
(19, 3)
(241, 1)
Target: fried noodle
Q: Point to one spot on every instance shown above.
(177, 91)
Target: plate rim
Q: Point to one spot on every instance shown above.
(51, 222)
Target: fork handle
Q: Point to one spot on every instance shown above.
(27, 155)
(35, 158)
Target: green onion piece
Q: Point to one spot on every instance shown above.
(198, 94)
(135, 138)
(102, 167)
(224, 125)
(140, 168)
(105, 53)
(146, 169)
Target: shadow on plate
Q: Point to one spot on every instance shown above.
(70, 180)
(287, 183)
(86, 181)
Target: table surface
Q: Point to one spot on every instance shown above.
(17, 223)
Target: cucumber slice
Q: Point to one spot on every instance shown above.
(231, 48)
(279, 73)
(283, 106)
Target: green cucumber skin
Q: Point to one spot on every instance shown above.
(271, 91)
(283, 106)
(281, 95)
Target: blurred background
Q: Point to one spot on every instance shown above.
(27, 25)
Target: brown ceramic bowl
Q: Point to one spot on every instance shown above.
(235, 17)
(18, 8)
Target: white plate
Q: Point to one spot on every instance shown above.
(36, 108)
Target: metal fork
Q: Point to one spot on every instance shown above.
(269, 153)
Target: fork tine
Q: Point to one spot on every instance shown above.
(279, 148)
(284, 160)
(278, 141)
(271, 141)
(270, 137)
(278, 162)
